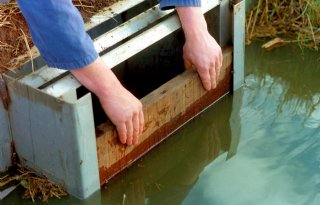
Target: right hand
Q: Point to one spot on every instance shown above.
(125, 111)
(200, 49)
(122, 108)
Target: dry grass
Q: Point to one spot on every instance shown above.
(15, 39)
(12, 45)
(294, 21)
(35, 186)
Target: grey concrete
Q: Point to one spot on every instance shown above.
(55, 138)
(5, 137)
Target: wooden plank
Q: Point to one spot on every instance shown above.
(165, 109)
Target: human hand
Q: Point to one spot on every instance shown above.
(125, 112)
(200, 50)
(204, 53)
(122, 108)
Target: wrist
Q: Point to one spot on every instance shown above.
(107, 84)
(97, 78)
(193, 22)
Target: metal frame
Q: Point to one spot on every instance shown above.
(239, 16)
(53, 130)
(54, 137)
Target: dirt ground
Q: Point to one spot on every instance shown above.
(15, 40)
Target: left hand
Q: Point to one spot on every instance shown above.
(205, 54)
(201, 49)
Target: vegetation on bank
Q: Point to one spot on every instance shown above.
(285, 21)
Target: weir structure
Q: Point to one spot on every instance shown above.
(58, 128)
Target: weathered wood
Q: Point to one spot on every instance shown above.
(165, 109)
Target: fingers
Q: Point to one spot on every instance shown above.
(187, 64)
(136, 128)
(205, 54)
(141, 124)
(125, 112)
(210, 73)
(132, 129)
(217, 72)
(129, 125)
(213, 76)
(208, 70)
(219, 66)
(205, 77)
(122, 132)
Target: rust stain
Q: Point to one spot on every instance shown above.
(163, 111)
(4, 94)
(147, 125)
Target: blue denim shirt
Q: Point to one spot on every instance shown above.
(57, 29)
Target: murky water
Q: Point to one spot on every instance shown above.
(260, 145)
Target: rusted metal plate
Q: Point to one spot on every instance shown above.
(166, 109)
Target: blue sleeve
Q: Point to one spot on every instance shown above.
(57, 29)
(169, 4)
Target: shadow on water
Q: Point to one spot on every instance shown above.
(257, 146)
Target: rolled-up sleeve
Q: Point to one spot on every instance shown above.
(57, 29)
(169, 4)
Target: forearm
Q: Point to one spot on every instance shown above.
(97, 78)
(57, 29)
(122, 108)
(193, 21)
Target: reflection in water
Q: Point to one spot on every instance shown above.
(278, 158)
(260, 145)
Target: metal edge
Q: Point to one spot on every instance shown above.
(129, 28)
(110, 12)
(238, 43)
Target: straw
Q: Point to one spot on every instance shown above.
(290, 20)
